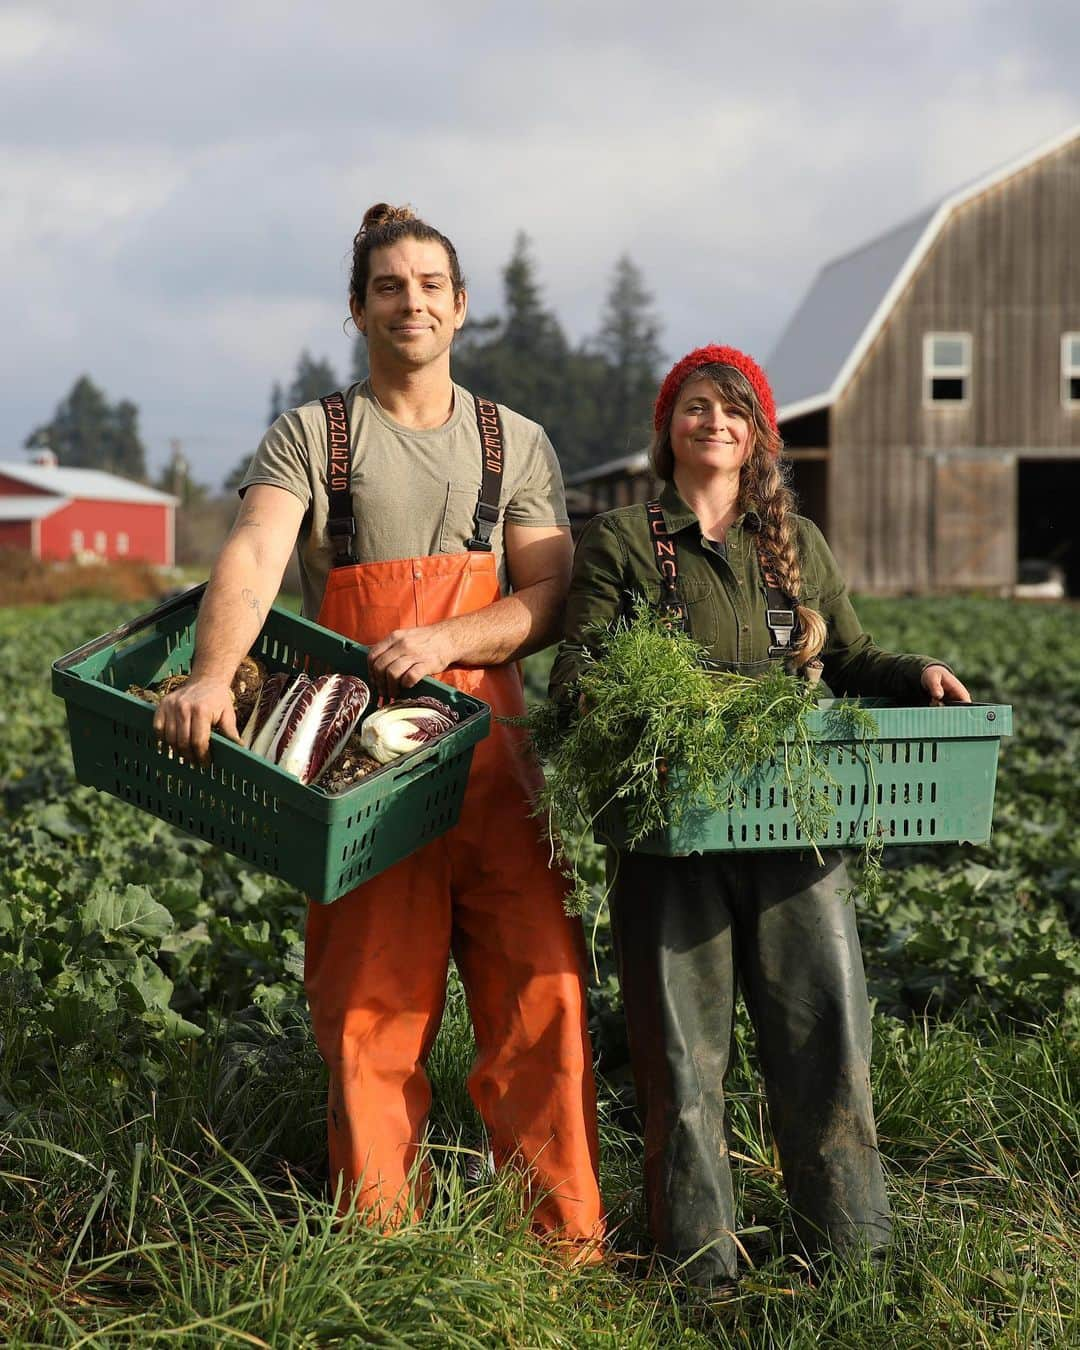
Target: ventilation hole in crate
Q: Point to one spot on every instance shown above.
(933, 791)
(907, 794)
(918, 825)
(933, 752)
(932, 823)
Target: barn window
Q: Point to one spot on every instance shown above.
(77, 541)
(100, 542)
(121, 543)
(1070, 369)
(946, 367)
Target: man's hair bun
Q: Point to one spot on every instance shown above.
(382, 213)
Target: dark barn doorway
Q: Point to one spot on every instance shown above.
(1047, 528)
(810, 483)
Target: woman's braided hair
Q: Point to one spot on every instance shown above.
(763, 488)
(384, 225)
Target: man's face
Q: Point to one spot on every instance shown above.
(410, 313)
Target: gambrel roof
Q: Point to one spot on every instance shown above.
(852, 297)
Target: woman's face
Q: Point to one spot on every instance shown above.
(706, 431)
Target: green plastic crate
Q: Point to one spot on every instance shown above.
(325, 845)
(926, 777)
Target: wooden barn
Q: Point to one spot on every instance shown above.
(928, 389)
(59, 514)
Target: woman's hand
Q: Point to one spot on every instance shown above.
(941, 684)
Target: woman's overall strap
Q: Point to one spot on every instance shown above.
(780, 608)
(667, 564)
(341, 523)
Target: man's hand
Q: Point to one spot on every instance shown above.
(185, 718)
(941, 684)
(406, 655)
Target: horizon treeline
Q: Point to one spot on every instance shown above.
(594, 398)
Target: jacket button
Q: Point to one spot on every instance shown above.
(416, 575)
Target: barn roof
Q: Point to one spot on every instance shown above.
(638, 462)
(91, 484)
(30, 508)
(853, 295)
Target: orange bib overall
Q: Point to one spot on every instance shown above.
(377, 958)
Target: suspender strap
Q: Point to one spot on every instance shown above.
(341, 523)
(779, 611)
(667, 564)
(489, 426)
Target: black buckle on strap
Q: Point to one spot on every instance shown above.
(338, 527)
(780, 618)
(485, 520)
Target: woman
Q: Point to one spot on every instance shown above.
(758, 586)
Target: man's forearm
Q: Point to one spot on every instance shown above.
(509, 629)
(232, 612)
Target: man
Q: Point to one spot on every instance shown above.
(416, 508)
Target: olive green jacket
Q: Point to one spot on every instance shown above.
(725, 598)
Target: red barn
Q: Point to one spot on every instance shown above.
(58, 514)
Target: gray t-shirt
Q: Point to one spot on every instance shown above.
(414, 492)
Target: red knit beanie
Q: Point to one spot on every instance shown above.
(709, 356)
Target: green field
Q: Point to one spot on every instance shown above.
(162, 1161)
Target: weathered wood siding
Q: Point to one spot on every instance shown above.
(1006, 269)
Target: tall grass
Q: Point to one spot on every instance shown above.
(196, 1212)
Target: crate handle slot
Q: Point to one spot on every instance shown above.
(129, 629)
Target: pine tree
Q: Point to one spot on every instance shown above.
(313, 380)
(88, 432)
(277, 402)
(360, 367)
(628, 343)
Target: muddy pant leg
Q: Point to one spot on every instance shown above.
(801, 965)
(672, 930)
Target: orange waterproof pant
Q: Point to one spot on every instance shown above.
(376, 959)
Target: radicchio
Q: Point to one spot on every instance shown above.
(319, 723)
(270, 691)
(404, 726)
(265, 738)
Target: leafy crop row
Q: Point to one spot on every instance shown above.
(162, 1156)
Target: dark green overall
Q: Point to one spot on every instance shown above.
(688, 929)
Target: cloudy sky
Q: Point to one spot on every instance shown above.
(180, 183)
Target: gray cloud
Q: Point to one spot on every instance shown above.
(179, 185)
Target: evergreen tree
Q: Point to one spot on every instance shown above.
(522, 358)
(175, 478)
(628, 349)
(235, 476)
(313, 380)
(88, 432)
(360, 367)
(277, 402)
